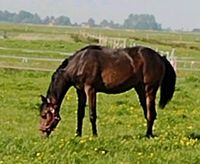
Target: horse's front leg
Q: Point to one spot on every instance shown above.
(81, 111)
(91, 97)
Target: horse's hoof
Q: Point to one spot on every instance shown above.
(95, 135)
(150, 136)
(77, 135)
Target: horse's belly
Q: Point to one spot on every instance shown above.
(117, 81)
(113, 77)
(113, 88)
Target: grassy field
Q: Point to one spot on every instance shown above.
(121, 124)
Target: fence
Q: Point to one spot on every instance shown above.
(187, 64)
(25, 60)
(179, 63)
(113, 42)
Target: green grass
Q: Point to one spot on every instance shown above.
(41, 45)
(121, 126)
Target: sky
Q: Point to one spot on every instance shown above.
(175, 14)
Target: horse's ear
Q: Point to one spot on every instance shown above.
(44, 99)
(62, 70)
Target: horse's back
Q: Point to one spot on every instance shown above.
(118, 68)
(141, 64)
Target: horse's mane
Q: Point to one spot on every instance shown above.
(65, 62)
(96, 47)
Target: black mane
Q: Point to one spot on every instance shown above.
(63, 64)
(96, 47)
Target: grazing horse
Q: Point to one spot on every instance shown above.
(99, 69)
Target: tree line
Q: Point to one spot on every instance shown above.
(133, 21)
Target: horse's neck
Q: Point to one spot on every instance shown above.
(57, 90)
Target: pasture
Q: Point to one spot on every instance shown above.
(120, 122)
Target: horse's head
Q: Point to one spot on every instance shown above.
(49, 116)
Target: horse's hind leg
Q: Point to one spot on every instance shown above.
(140, 89)
(81, 111)
(151, 111)
(91, 96)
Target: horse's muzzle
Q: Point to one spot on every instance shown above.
(47, 129)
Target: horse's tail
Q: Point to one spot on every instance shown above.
(168, 84)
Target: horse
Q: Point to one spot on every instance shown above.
(94, 69)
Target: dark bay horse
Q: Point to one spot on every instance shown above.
(99, 69)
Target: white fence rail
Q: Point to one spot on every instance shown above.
(26, 68)
(26, 58)
(179, 63)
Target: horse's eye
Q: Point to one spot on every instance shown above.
(44, 116)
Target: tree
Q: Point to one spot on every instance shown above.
(46, 20)
(111, 24)
(23, 17)
(91, 22)
(8, 17)
(26, 17)
(104, 23)
(196, 30)
(62, 20)
(142, 21)
(36, 19)
(134, 21)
